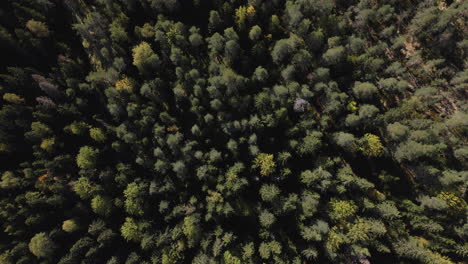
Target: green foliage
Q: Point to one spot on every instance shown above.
(191, 229)
(77, 128)
(47, 144)
(413, 249)
(87, 157)
(388, 210)
(266, 219)
(230, 259)
(334, 55)
(243, 13)
(84, 188)
(309, 203)
(266, 250)
(260, 74)
(334, 240)
(310, 143)
(130, 230)
(40, 129)
(144, 56)
(397, 131)
(248, 251)
(255, 33)
(97, 134)
(346, 141)
(9, 181)
(233, 132)
(284, 47)
(133, 201)
(147, 31)
(269, 192)
(117, 28)
(101, 205)
(315, 232)
(363, 230)
(41, 245)
(412, 150)
(365, 90)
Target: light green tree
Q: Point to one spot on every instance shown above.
(269, 192)
(70, 225)
(48, 144)
(40, 129)
(101, 205)
(133, 202)
(84, 188)
(9, 181)
(87, 157)
(144, 56)
(41, 245)
(97, 134)
(365, 90)
(77, 128)
(147, 31)
(255, 33)
(130, 230)
(230, 259)
(191, 229)
(266, 218)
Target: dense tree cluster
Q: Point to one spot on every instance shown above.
(170, 131)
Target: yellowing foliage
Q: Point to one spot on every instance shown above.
(334, 239)
(342, 209)
(371, 145)
(43, 177)
(38, 28)
(13, 98)
(250, 11)
(352, 106)
(243, 13)
(85, 44)
(125, 84)
(422, 242)
(48, 144)
(265, 163)
(214, 197)
(70, 226)
(142, 54)
(455, 203)
(4, 148)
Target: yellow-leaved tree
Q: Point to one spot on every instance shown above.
(266, 164)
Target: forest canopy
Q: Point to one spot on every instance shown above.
(237, 131)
